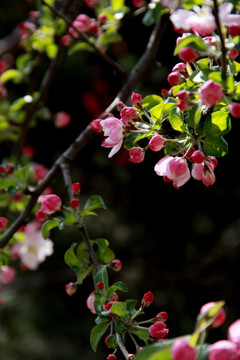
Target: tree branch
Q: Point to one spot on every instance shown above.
(88, 134)
(223, 48)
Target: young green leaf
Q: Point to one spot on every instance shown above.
(49, 225)
(97, 332)
(94, 202)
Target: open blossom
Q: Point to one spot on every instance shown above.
(210, 93)
(182, 350)
(234, 332)
(174, 168)
(223, 350)
(113, 129)
(34, 249)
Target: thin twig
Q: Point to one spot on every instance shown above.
(223, 48)
(88, 134)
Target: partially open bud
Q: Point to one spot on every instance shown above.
(71, 288)
(116, 265)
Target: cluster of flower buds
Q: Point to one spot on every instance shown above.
(83, 24)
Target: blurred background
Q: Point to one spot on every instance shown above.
(183, 245)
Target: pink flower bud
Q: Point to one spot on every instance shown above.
(50, 203)
(234, 332)
(39, 172)
(128, 114)
(157, 142)
(235, 110)
(7, 274)
(162, 316)
(71, 288)
(116, 265)
(223, 350)
(66, 40)
(100, 285)
(74, 203)
(182, 350)
(182, 105)
(28, 151)
(234, 30)
(198, 157)
(76, 187)
(233, 54)
(62, 119)
(147, 299)
(187, 54)
(136, 100)
(3, 223)
(136, 155)
(41, 216)
(210, 93)
(180, 67)
(102, 18)
(111, 357)
(175, 78)
(90, 302)
(183, 95)
(158, 330)
(93, 28)
(220, 318)
(164, 92)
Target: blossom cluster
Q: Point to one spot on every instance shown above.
(188, 121)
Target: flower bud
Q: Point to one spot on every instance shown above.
(3, 223)
(198, 157)
(111, 357)
(71, 288)
(162, 316)
(235, 110)
(221, 316)
(96, 126)
(210, 93)
(136, 100)
(175, 78)
(76, 187)
(136, 155)
(223, 349)
(187, 54)
(147, 299)
(234, 332)
(62, 119)
(116, 265)
(157, 142)
(74, 203)
(100, 285)
(41, 216)
(7, 274)
(50, 203)
(182, 350)
(158, 330)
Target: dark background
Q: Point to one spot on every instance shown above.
(183, 245)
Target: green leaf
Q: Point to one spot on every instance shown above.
(11, 74)
(81, 46)
(97, 332)
(191, 41)
(82, 274)
(194, 116)
(101, 275)
(94, 202)
(159, 351)
(130, 140)
(109, 37)
(143, 334)
(71, 258)
(118, 308)
(176, 119)
(49, 225)
(215, 76)
(151, 100)
(160, 111)
(119, 326)
(118, 286)
(215, 146)
(219, 123)
(6, 183)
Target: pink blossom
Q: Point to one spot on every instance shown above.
(175, 78)
(204, 172)
(90, 302)
(76, 187)
(234, 332)
(198, 157)
(162, 316)
(182, 350)
(223, 350)
(225, 15)
(136, 155)
(179, 17)
(74, 203)
(50, 203)
(40, 171)
(187, 54)
(7, 274)
(157, 142)
(174, 168)
(158, 330)
(34, 249)
(116, 265)
(113, 129)
(62, 119)
(210, 93)
(220, 318)
(3, 223)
